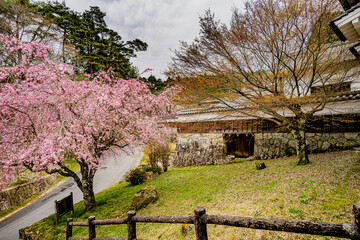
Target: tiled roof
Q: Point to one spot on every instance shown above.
(209, 110)
(345, 96)
(349, 96)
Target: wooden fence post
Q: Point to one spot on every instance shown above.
(92, 233)
(69, 228)
(200, 223)
(356, 211)
(72, 203)
(56, 212)
(131, 225)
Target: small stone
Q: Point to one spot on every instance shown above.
(350, 135)
(350, 144)
(310, 135)
(185, 228)
(230, 157)
(326, 146)
(260, 165)
(341, 140)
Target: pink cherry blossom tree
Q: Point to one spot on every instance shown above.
(48, 115)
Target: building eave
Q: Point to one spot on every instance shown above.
(337, 31)
(347, 25)
(355, 50)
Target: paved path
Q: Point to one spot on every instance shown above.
(112, 170)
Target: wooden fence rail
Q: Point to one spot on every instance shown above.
(201, 219)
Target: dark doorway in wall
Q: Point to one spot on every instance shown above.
(240, 145)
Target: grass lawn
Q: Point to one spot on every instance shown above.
(321, 191)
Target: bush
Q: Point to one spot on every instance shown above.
(158, 153)
(135, 176)
(154, 169)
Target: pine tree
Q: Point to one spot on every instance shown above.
(65, 19)
(156, 85)
(99, 46)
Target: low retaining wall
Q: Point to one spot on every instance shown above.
(199, 149)
(274, 145)
(16, 194)
(24, 235)
(209, 148)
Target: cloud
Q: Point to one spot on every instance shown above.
(160, 23)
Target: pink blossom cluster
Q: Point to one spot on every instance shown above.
(48, 114)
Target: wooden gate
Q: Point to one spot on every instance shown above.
(240, 145)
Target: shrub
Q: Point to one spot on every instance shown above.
(135, 176)
(158, 153)
(154, 169)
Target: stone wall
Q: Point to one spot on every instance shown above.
(209, 148)
(16, 194)
(273, 145)
(199, 149)
(25, 235)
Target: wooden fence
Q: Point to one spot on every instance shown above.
(201, 219)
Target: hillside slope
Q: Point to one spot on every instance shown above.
(322, 191)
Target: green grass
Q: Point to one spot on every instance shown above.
(321, 191)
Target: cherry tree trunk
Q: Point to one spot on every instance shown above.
(86, 184)
(88, 195)
(86, 187)
(301, 147)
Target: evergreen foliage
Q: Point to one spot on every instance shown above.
(100, 47)
(155, 84)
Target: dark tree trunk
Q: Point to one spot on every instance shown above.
(88, 195)
(86, 184)
(301, 147)
(165, 163)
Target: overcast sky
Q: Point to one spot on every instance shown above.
(160, 23)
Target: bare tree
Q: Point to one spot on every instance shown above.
(21, 20)
(268, 59)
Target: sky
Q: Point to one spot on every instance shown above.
(160, 23)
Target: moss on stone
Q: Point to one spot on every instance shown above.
(350, 144)
(144, 197)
